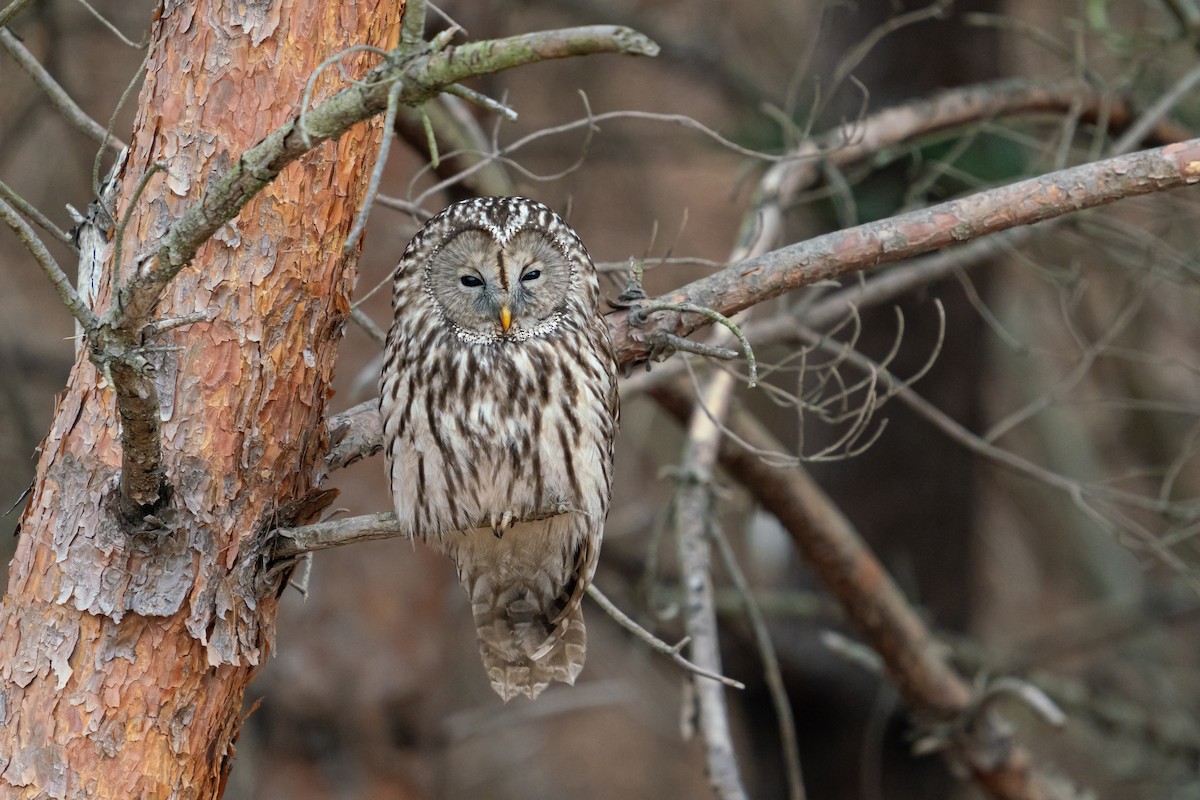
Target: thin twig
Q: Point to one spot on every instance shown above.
(789, 747)
(123, 154)
(670, 651)
(680, 344)
(385, 146)
(368, 325)
(111, 27)
(1145, 123)
(915, 664)
(57, 95)
(41, 255)
(639, 314)
(482, 100)
(119, 231)
(31, 211)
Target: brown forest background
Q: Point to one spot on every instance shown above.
(375, 689)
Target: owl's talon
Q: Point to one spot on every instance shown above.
(501, 525)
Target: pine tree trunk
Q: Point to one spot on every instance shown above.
(124, 659)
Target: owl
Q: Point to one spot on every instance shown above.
(499, 405)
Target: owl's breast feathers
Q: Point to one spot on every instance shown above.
(477, 430)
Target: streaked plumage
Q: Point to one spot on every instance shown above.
(499, 404)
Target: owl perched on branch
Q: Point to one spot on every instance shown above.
(499, 406)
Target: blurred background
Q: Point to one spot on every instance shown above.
(1074, 347)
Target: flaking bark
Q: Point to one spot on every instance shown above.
(123, 659)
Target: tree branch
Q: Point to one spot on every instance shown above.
(292, 542)
(836, 254)
(411, 74)
(58, 96)
(37, 248)
(11, 10)
(670, 651)
(31, 211)
(934, 693)
(693, 512)
(423, 76)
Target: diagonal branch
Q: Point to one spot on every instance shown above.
(934, 692)
(412, 74)
(37, 248)
(906, 235)
(9, 12)
(422, 76)
(58, 96)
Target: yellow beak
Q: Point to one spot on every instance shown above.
(505, 318)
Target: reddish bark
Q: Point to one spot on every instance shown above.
(124, 659)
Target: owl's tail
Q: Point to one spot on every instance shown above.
(531, 633)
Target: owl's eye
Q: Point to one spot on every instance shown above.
(471, 281)
(532, 275)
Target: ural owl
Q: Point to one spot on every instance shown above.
(499, 407)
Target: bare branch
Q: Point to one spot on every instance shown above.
(31, 211)
(670, 651)
(41, 255)
(58, 96)
(113, 29)
(292, 542)
(693, 512)
(460, 142)
(385, 146)
(934, 693)
(1153, 115)
(368, 325)
(835, 254)
(789, 747)
(9, 12)
(423, 75)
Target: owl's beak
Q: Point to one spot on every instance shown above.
(505, 318)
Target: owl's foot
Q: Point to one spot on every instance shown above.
(502, 523)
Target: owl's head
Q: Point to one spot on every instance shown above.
(504, 268)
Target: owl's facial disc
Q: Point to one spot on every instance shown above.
(492, 291)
